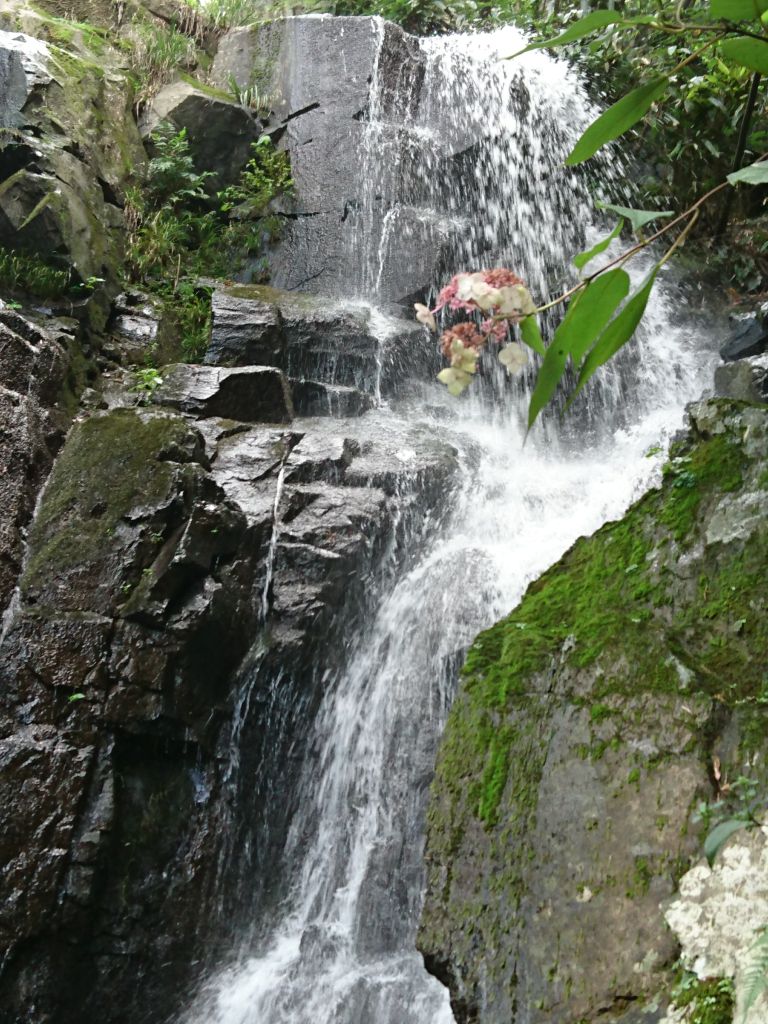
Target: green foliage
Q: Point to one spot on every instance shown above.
(756, 974)
(29, 274)
(708, 1002)
(146, 380)
(179, 233)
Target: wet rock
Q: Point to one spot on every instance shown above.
(308, 336)
(220, 131)
(33, 367)
(252, 394)
(138, 331)
(745, 379)
(23, 66)
(177, 574)
(313, 398)
(68, 159)
(320, 118)
(580, 740)
(749, 337)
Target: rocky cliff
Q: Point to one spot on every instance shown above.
(628, 686)
(173, 557)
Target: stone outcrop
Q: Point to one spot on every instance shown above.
(175, 563)
(320, 117)
(317, 341)
(195, 107)
(34, 374)
(585, 733)
(251, 394)
(62, 174)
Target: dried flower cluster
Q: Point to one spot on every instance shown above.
(503, 298)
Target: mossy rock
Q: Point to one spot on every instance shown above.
(113, 490)
(583, 735)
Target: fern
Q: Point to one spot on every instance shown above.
(756, 974)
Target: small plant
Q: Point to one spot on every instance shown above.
(146, 381)
(250, 97)
(756, 974)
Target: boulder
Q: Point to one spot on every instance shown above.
(745, 379)
(319, 340)
(584, 735)
(308, 336)
(220, 130)
(748, 337)
(252, 394)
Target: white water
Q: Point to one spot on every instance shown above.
(343, 949)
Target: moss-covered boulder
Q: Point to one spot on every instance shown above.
(584, 734)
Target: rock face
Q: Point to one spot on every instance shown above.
(175, 565)
(321, 119)
(584, 734)
(34, 362)
(62, 173)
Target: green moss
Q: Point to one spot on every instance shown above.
(715, 463)
(612, 600)
(209, 90)
(109, 464)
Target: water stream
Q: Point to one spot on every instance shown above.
(342, 949)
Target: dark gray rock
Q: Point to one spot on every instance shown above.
(320, 341)
(313, 398)
(23, 65)
(749, 337)
(308, 336)
(33, 367)
(68, 158)
(252, 394)
(138, 331)
(220, 130)
(745, 379)
(352, 193)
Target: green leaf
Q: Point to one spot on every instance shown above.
(617, 333)
(737, 10)
(586, 26)
(589, 312)
(755, 174)
(531, 335)
(617, 119)
(584, 258)
(755, 977)
(75, 696)
(719, 834)
(749, 53)
(583, 27)
(637, 218)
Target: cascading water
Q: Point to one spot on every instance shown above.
(342, 948)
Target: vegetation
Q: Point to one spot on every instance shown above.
(178, 233)
(29, 274)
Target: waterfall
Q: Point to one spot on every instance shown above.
(341, 948)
